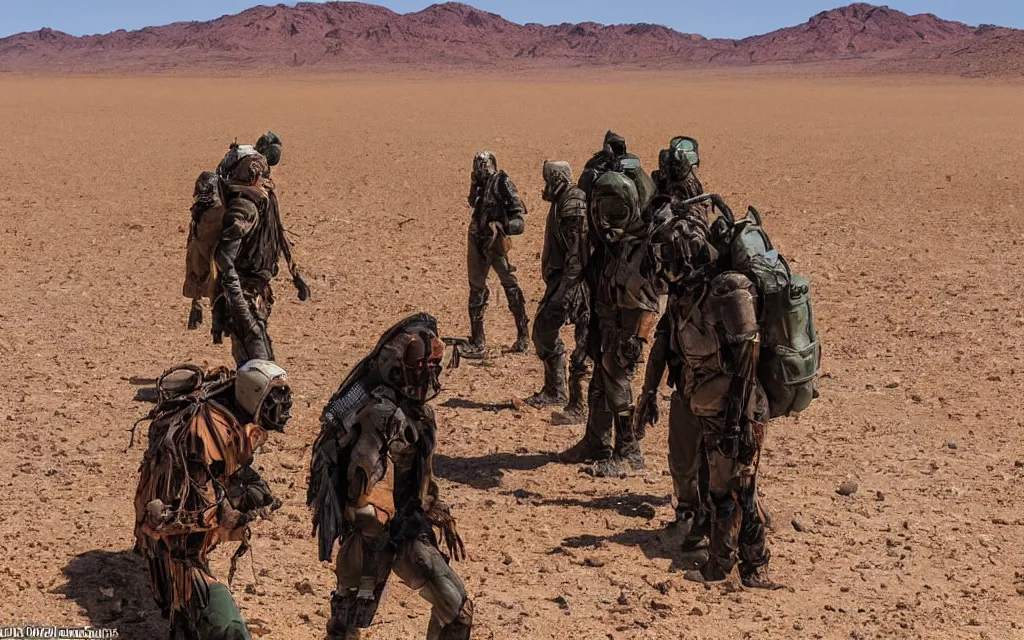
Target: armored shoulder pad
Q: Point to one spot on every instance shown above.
(732, 305)
(574, 203)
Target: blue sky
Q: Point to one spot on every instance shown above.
(721, 18)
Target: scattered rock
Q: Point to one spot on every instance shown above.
(593, 562)
(974, 622)
(916, 398)
(798, 526)
(623, 600)
(951, 445)
(658, 605)
(1019, 464)
(879, 496)
(250, 589)
(508, 559)
(304, 587)
(696, 611)
(848, 488)
(646, 510)
(892, 385)
(562, 603)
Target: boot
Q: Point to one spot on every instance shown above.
(553, 392)
(477, 346)
(627, 447)
(585, 450)
(517, 305)
(575, 412)
(758, 578)
(693, 526)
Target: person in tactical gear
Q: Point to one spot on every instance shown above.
(198, 487)
(497, 214)
(563, 260)
(371, 485)
(615, 157)
(676, 175)
(687, 459)
(251, 243)
(711, 344)
(624, 308)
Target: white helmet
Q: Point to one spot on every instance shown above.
(262, 389)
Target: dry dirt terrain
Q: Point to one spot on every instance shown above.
(899, 198)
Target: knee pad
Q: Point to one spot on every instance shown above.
(478, 298)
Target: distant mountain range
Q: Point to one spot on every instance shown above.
(350, 35)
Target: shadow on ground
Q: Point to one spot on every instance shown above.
(486, 472)
(655, 544)
(112, 588)
(630, 505)
(463, 403)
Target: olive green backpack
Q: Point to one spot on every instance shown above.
(790, 352)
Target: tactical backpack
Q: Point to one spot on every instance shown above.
(790, 352)
(615, 206)
(645, 187)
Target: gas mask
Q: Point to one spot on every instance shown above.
(485, 165)
(681, 248)
(411, 363)
(262, 389)
(269, 145)
(557, 175)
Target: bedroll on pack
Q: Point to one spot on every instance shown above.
(790, 351)
(204, 234)
(645, 187)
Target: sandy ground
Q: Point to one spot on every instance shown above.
(898, 198)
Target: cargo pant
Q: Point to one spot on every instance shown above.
(738, 528)
(687, 459)
(479, 265)
(255, 344)
(547, 340)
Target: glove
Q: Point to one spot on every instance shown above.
(195, 315)
(647, 413)
(301, 286)
(440, 516)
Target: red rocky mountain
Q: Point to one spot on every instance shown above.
(345, 35)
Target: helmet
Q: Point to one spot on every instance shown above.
(557, 174)
(206, 193)
(614, 144)
(410, 361)
(261, 388)
(484, 164)
(680, 244)
(269, 145)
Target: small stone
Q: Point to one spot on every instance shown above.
(879, 496)
(250, 589)
(1020, 589)
(892, 385)
(508, 559)
(593, 562)
(646, 510)
(848, 488)
(562, 603)
(798, 526)
(951, 445)
(623, 600)
(916, 398)
(304, 587)
(974, 622)
(696, 611)
(658, 605)
(797, 626)
(1019, 464)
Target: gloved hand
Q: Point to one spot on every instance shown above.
(647, 412)
(301, 286)
(195, 315)
(440, 516)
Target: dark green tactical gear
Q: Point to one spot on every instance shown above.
(790, 352)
